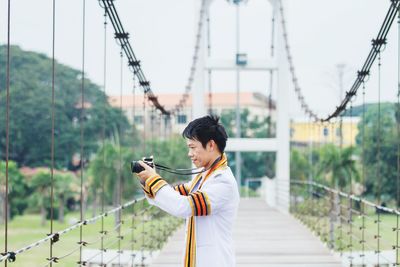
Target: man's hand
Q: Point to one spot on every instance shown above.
(146, 173)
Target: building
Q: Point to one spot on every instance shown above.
(256, 103)
(303, 131)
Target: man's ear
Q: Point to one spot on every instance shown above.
(211, 145)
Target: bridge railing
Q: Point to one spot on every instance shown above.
(364, 233)
(127, 235)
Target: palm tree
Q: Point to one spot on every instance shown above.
(40, 183)
(338, 166)
(17, 190)
(64, 188)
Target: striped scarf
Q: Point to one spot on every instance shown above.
(190, 253)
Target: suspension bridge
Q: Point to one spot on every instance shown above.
(341, 219)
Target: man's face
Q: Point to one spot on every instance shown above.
(197, 153)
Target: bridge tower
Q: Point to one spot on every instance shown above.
(277, 194)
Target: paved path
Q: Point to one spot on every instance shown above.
(263, 237)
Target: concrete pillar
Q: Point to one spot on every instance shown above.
(199, 85)
(283, 123)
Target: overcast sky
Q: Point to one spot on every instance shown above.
(322, 34)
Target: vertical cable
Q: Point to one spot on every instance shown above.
(378, 159)
(398, 141)
(209, 56)
(52, 132)
(144, 124)
(338, 187)
(120, 157)
(133, 255)
(271, 75)
(7, 128)
(143, 231)
(363, 179)
(350, 204)
(144, 153)
(82, 127)
(103, 136)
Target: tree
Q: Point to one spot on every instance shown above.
(30, 111)
(64, 188)
(254, 164)
(299, 166)
(380, 157)
(18, 190)
(41, 196)
(337, 166)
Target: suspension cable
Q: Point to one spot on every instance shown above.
(52, 131)
(7, 133)
(363, 181)
(271, 75)
(397, 112)
(123, 38)
(103, 136)
(120, 158)
(378, 159)
(193, 68)
(210, 105)
(133, 255)
(82, 117)
(377, 45)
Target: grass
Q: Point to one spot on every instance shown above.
(378, 231)
(24, 230)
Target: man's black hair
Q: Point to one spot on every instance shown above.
(205, 129)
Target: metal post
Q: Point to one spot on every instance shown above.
(238, 157)
(283, 124)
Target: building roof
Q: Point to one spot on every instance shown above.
(227, 99)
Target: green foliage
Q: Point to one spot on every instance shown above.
(254, 164)
(18, 188)
(172, 153)
(330, 165)
(337, 166)
(30, 111)
(255, 127)
(381, 148)
(108, 165)
(299, 165)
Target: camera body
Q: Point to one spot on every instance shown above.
(136, 167)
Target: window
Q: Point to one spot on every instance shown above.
(182, 119)
(326, 131)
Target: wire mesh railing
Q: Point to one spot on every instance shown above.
(365, 234)
(132, 241)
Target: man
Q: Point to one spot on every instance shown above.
(209, 202)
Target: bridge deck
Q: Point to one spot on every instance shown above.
(263, 237)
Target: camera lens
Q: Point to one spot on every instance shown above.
(136, 167)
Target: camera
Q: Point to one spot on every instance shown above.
(136, 167)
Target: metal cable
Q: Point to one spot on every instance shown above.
(6, 253)
(209, 56)
(397, 112)
(58, 234)
(52, 131)
(82, 117)
(119, 182)
(377, 45)
(103, 136)
(363, 173)
(123, 38)
(193, 68)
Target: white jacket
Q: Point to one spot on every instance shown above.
(214, 206)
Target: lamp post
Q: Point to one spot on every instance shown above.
(241, 60)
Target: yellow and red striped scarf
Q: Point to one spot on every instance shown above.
(190, 254)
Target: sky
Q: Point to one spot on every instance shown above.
(322, 34)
